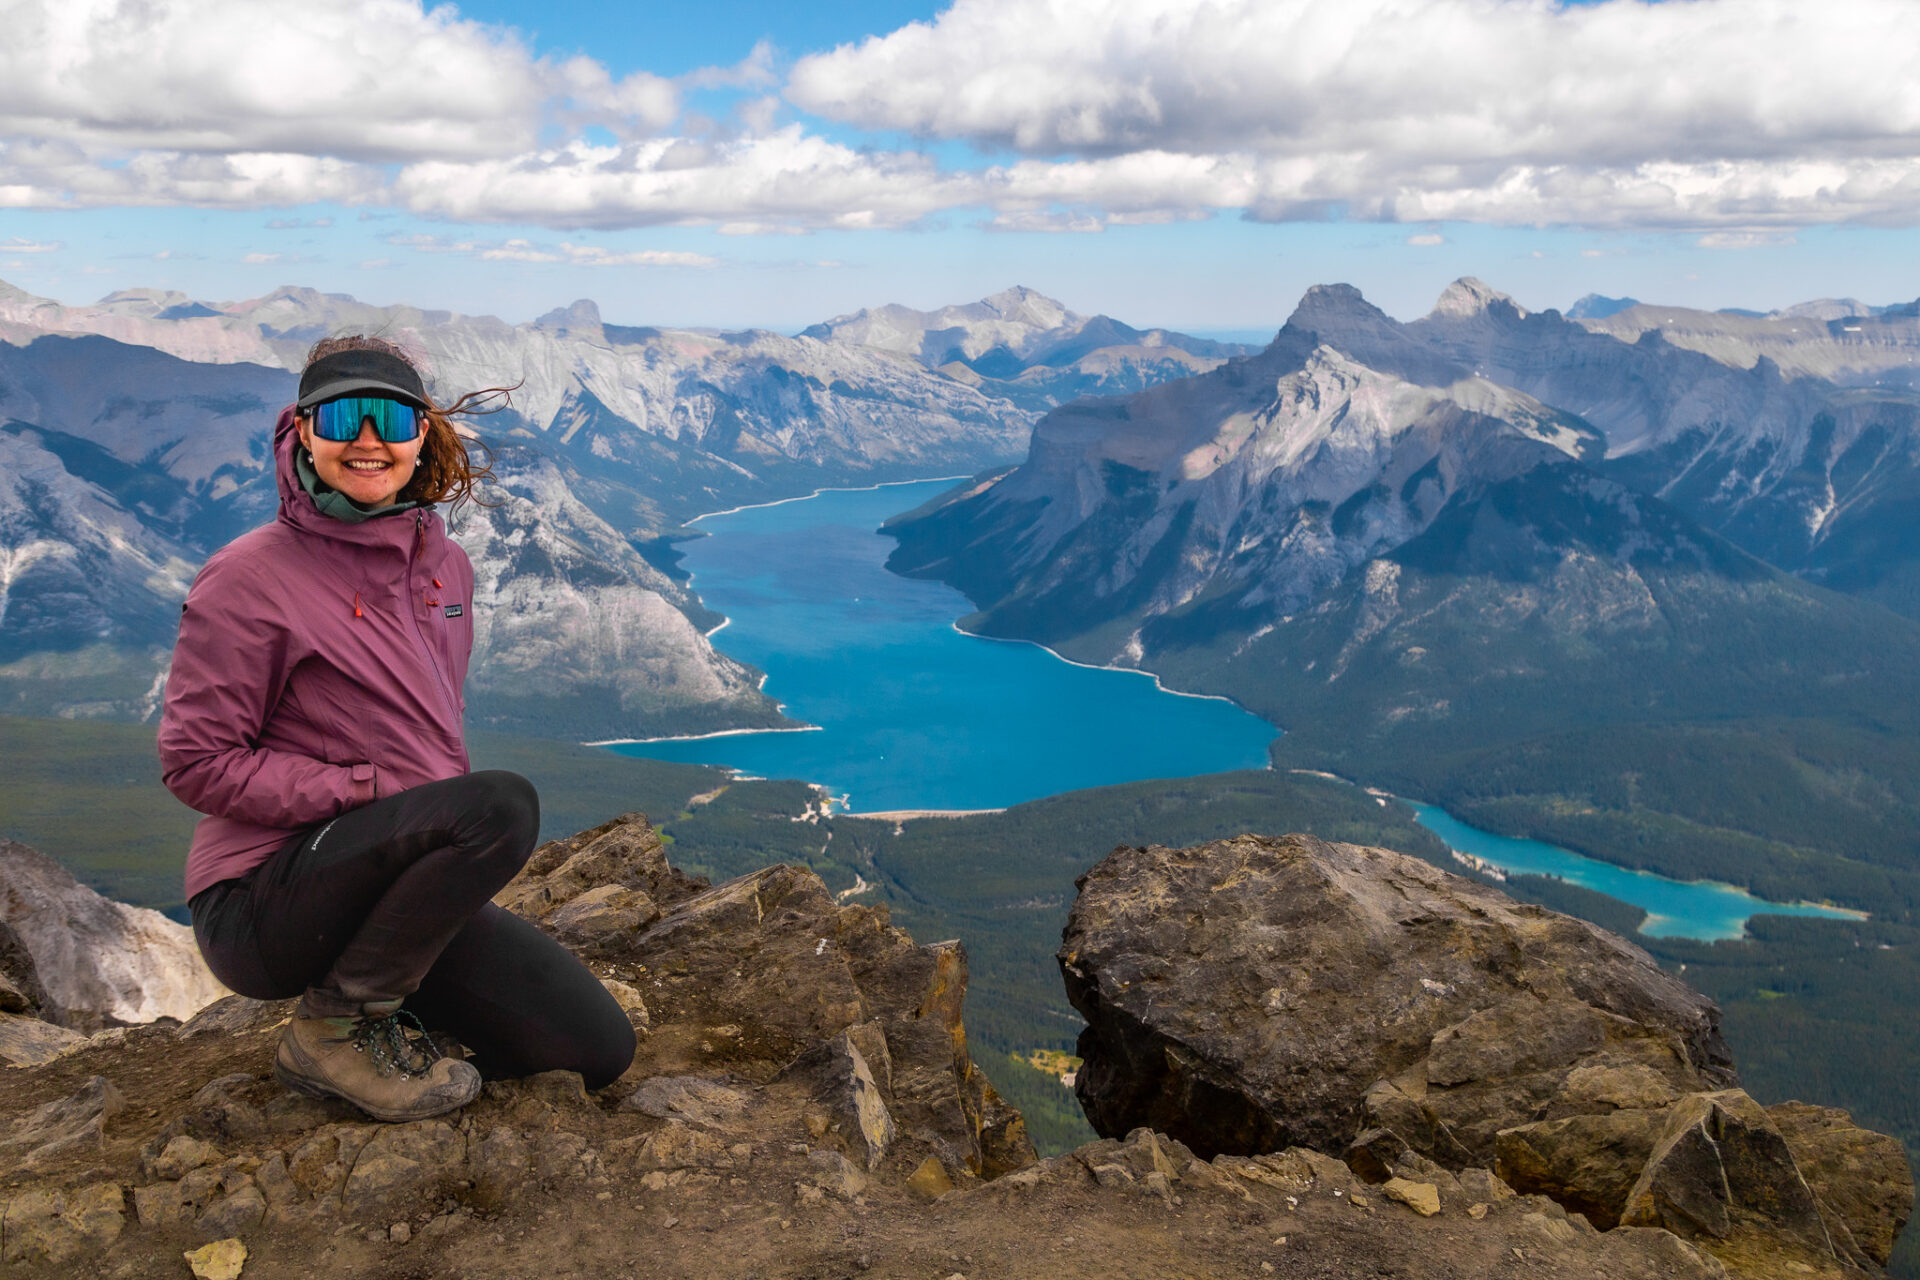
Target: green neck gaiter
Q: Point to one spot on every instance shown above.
(331, 502)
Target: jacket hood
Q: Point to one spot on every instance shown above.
(297, 509)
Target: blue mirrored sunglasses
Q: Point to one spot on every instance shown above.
(339, 420)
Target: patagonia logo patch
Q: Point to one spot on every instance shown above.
(455, 610)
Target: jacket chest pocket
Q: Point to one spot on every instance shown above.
(447, 626)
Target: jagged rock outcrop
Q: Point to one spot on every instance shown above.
(766, 1013)
(802, 1104)
(1254, 993)
(96, 958)
(826, 999)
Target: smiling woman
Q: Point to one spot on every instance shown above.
(314, 714)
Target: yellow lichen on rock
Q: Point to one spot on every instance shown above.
(221, 1260)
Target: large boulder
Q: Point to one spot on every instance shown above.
(1256, 993)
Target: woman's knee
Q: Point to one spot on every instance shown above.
(507, 808)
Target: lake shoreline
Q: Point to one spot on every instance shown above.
(919, 715)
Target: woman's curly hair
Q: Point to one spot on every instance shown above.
(451, 465)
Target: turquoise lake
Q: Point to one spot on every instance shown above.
(912, 713)
(1675, 909)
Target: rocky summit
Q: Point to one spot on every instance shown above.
(1254, 994)
(804, 1104)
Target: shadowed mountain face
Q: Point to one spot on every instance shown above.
(1818, 477)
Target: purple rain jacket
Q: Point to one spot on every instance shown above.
(320, 666)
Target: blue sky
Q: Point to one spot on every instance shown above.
(1170, 162)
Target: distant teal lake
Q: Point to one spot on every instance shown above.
(912, 713)
(1675, 909)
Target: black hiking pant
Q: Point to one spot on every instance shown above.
(392, 901)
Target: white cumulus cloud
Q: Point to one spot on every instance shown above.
(359, 79)
(782, 178)
(1704, 113)
(1729, 118)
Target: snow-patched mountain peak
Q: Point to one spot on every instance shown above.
(1021, 305)
(1470, 297)
(1027, 347)
(1017, 319)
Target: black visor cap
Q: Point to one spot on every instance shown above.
(353, 372)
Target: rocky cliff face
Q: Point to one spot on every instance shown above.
(803, 1104)
(1254, 993)
(575, 633)
(89, 958)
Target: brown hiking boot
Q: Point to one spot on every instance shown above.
(375, 1063)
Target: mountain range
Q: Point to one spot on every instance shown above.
(1026, 347)
(1620, 594)
(133, 441)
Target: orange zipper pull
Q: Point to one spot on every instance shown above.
(356, 604)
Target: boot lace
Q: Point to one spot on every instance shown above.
(393, 1045)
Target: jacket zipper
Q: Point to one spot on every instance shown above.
(440, 678)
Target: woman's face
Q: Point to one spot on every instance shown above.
(368, 470)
